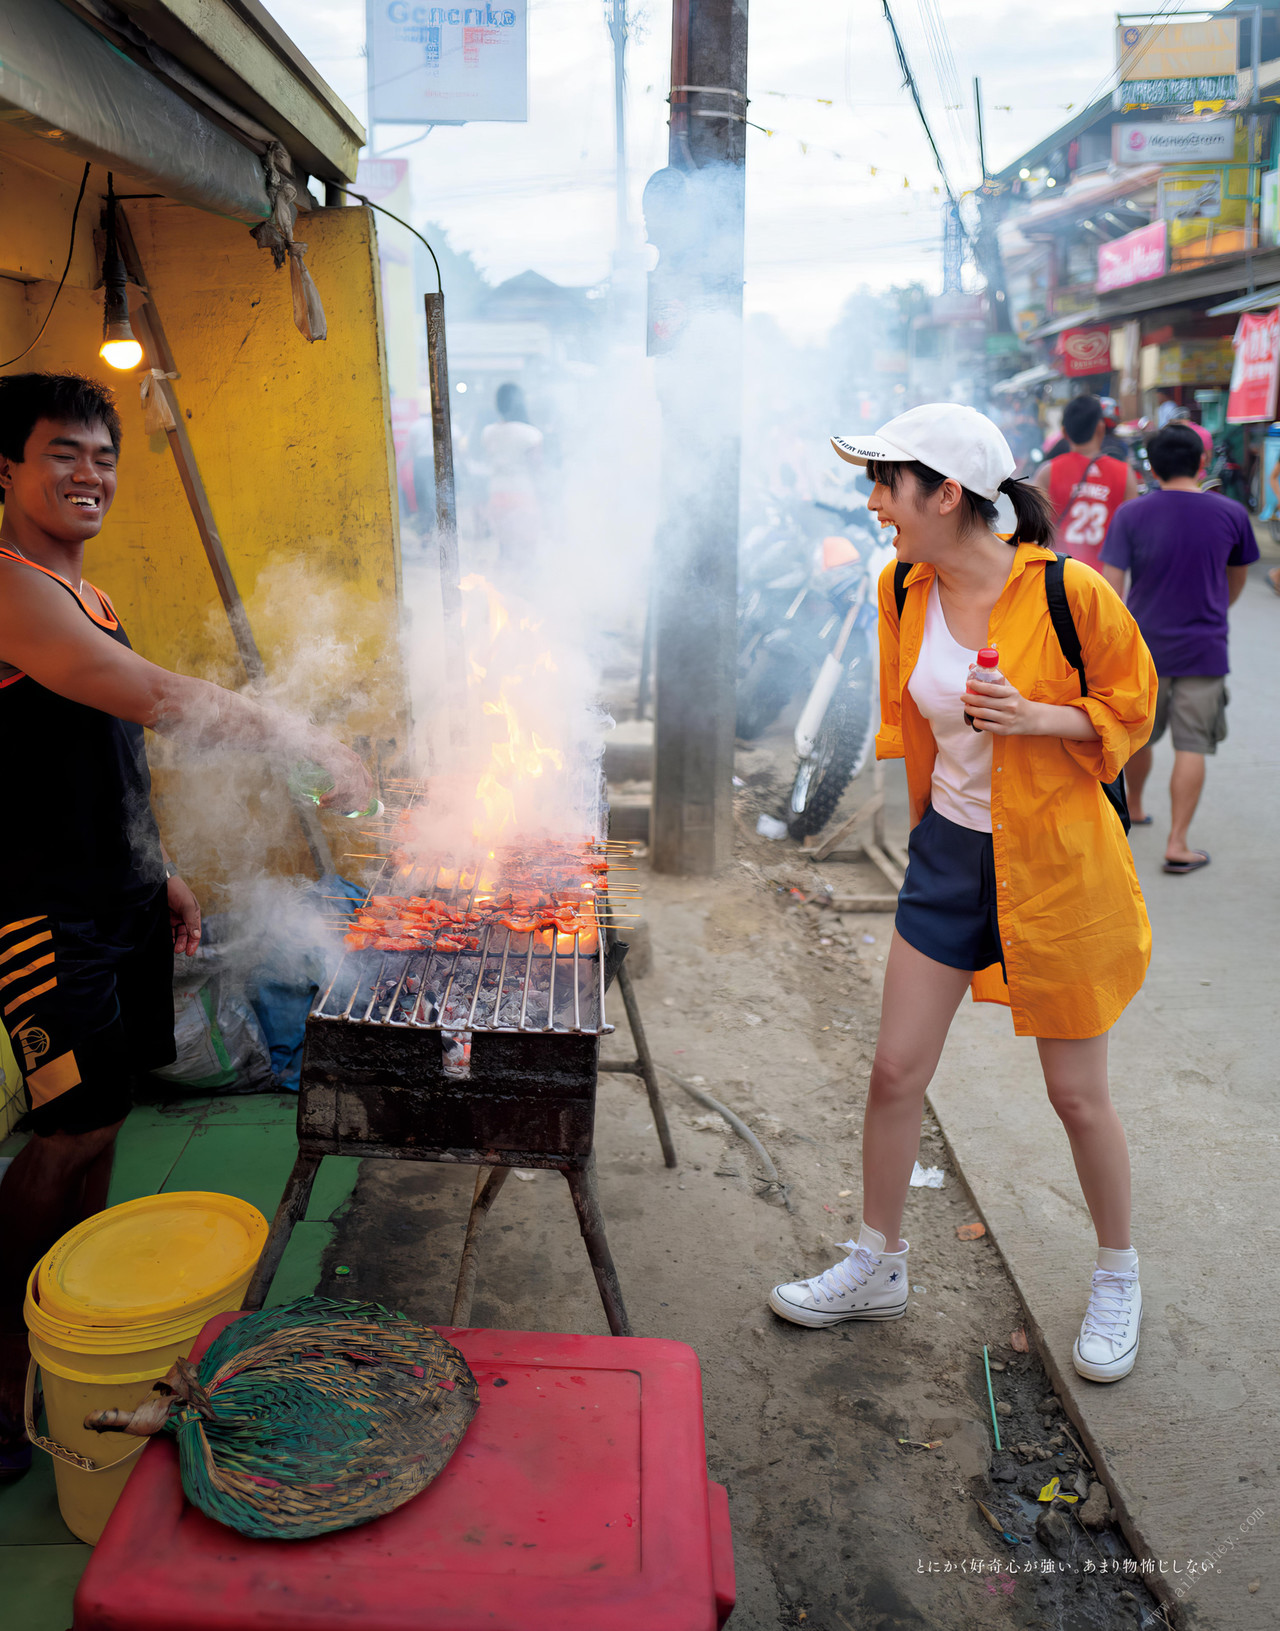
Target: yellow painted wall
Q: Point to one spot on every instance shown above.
(293, 443)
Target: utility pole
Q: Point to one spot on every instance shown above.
(694, 213)
(619, 26)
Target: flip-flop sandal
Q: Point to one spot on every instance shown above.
(1143, 821)
(1179, 867)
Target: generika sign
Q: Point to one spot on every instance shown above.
(1136, 258)
(1207, 141)
(452, 16)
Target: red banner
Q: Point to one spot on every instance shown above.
(1084, 351)
(1257, 365)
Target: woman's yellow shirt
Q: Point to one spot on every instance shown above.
(1076, 937)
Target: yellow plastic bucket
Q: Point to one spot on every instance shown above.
(110, 1308)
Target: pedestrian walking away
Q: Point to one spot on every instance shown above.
(92, 910)
(1020, 883)
(1186, 555)
(1085, 486)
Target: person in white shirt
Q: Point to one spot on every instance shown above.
(512, 449)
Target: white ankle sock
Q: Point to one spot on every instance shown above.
(1117, 1260)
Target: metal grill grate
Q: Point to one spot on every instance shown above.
(511, 982)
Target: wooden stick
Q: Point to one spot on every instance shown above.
(825, 847)
(876, 854)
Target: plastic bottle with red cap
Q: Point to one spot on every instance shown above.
(986, 668)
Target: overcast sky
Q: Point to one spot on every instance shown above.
(827, 208)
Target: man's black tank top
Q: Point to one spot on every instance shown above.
(77, 836)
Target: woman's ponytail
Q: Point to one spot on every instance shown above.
(1032, 510)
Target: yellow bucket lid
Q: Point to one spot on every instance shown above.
(152, 1260)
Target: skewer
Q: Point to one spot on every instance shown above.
(577, 1009)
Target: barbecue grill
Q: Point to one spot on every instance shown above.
(487, 1054)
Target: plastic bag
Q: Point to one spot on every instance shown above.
(219, 1040)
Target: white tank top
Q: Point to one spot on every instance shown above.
(962, 771)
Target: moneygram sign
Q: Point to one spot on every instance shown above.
(1204, 141)
(1136, 258)
(446, 65)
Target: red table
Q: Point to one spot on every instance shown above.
(578, 1501)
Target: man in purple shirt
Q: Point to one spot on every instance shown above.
(1187, 554)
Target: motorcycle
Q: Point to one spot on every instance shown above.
(785, 618)
(837, 723)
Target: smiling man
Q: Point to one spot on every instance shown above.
(91, 910)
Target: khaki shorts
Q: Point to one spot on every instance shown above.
(1194, 707)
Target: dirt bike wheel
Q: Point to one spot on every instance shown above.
(839, 754)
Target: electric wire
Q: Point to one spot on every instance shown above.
(909, 80)
(369, 204)
(71, 249)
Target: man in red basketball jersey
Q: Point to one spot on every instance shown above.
(1085, 487)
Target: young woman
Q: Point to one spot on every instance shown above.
(1020, 881)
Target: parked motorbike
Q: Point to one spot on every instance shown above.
(1226, 476)
(785, 617)
(837, 723)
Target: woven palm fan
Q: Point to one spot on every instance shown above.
(309, 1417)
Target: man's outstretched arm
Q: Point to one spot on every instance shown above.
(45, 636)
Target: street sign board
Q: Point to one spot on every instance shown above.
(1136, 258)
(1186, 92)
(1190, 197)
(1177, 50)
(1252, 395)
(446, 65)
(1197, 141)
(1084, 350)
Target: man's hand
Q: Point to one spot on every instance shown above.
(184, 918)
(352, 785)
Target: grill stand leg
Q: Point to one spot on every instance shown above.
(293, 1203)
(644, 1066)
(586, 1201)
(489, 1180)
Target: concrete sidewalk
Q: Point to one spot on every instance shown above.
(1190, 1443)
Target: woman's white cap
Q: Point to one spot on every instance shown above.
(954, 440)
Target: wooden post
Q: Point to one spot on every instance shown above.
(446, 519)
(699, 383)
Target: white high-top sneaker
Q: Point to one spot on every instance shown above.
(1107, 1347)
(870, 1284)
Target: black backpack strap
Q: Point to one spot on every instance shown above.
(900, 586)
(1064, 625)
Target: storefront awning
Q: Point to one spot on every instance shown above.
(1073, 319)
(1025, 381)
(1247, 302)
(63, 82)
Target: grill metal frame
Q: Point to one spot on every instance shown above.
(396, 988)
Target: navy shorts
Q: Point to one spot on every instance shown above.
(947, 907)
(88, 1005)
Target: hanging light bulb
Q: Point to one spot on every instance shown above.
(119, 349)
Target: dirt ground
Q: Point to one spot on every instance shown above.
(769, 1002)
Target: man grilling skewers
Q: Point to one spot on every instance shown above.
(91, 910)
